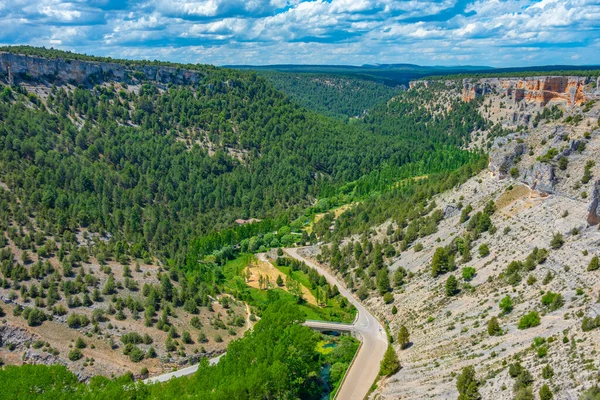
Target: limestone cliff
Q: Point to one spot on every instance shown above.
(17, 67)
(541, 90)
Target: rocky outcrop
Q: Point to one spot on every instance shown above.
(540, 177)
(540, 90)
(503, 154)
(15, 335)
(451, 210)
(594, 209)
(17, 67)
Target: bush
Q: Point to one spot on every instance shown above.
(75, 354)
(547, 372)
(80, 344)
(557, 241)
(77, 320)
(589, 323)
(515, 370)
(388, 298)
(506, 304)
(136, 355)
(494, 327)
(468, 273)
(594, 264)
(132, 337)
(552, 301)
(529, 320)
(34, 316)
(186, 338)
(451, 286)
(484, 250)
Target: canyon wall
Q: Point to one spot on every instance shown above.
(540, 90)
(17, 67)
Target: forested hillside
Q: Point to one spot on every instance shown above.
(154, 166)
(130, 203)
(341, 96)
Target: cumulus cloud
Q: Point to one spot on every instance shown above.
(451, 32)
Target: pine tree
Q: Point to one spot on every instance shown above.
(451, 286)
(390, 364)
(494, 327)
(467, 385)
(383, 281)
(279, 281)
(546, 393)
(594, 264)
(403, 337)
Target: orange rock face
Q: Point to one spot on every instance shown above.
(540, 90)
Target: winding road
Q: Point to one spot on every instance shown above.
(365, 367)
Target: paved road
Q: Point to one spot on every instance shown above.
(181, 372)
(365, 368)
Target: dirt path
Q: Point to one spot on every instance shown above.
(264, 267)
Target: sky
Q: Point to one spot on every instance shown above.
(258, 32)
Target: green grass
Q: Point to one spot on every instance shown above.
(332, 311)
(260, 299)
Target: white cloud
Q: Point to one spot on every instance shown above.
(314, 31)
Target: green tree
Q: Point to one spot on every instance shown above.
(440, 261)
(451, 286)
(557, 241)
(546, 393)
(279, 281)
(484, 250)
(529, 320)
(493, 327)
(403, 337)
(594, 264)
(468, 385)
(390, 363)
(506, 305)
(383, 281)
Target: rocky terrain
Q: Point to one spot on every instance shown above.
(22, 68)
(543, 184)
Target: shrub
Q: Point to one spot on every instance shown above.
(467, 384)
(186, 338)
(529, 320)
(494, 327)
(552, 301)
(514, 370)
(506, 304)
(594, 264)
(388, 298)
(136, 355)
(451, 286)
(468, 273)
(589, 323)
(132, 337)
(547, 372)
(484, 250)
(80, 344)
(557, 241)
(77, 320)
(75, 354)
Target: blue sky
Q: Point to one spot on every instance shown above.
(438, 32)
